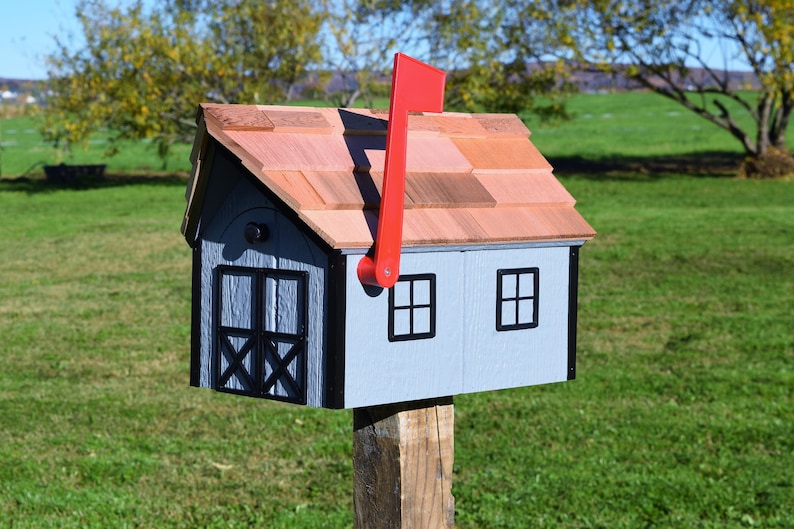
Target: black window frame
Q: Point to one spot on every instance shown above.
(516, 298)
(413, 279)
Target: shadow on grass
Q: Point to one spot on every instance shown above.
(716, 164)
(28, 184)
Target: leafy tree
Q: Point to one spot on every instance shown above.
(520, 54)
(140, 72)
(659, 45)
(361, 39)
(493, 63)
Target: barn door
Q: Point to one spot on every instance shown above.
(261, 333)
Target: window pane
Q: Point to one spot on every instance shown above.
(508, 286)
(421, 292)
(508, 313)
(421, 321)
(402, 322)
(237, 300)
(526, 285)
(517, 298)
(526, 309)
(402, 294)
(284, 309)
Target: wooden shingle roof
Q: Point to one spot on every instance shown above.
(470, 178)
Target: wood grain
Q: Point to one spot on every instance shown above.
(301, 121)
(357, 122)
(402, 465)
(436, 226)
(502, 154)
(517, 224)
(293, 188)
(524, 188)
(460, 126)
(238, 117)
(343, 189)
(425, 154)
(446, 190)
(503, 125)
(293, 152)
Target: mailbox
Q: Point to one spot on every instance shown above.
(284, 204)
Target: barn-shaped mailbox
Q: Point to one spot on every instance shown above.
(283, 204)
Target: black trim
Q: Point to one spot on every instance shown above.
(195, 319)
(411, 307)
(573, 300)
(517, 298)
(335, 331)
(202, 182)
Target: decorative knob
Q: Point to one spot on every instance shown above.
(256, 233)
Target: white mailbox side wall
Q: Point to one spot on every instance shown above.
(378, 371)
(223, 243)
(467, 354)
(524, 357)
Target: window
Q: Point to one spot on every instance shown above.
(517, 299)
(412, 308)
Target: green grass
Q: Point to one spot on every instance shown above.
(638, 133)
(682, 414)
(24, 152)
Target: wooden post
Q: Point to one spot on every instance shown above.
(402, 465)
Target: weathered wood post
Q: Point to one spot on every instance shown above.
(402, 465)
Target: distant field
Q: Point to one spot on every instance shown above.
(629, 130)
(636, 124)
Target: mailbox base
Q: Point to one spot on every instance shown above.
(402, 465)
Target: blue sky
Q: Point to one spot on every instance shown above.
(27, 29)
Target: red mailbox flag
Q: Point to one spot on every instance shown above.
(418, 87)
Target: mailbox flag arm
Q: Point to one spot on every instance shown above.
(417, 87)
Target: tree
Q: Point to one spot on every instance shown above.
(141, 72)
(519, 54)
(493, 62)
(666, 47)
(361, 39)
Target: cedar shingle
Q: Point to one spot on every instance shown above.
(425, 154)
(294, 188)
(462, 126)
(519, 188)
(356, 122)
(503, 125)
(238, 117)
(301, 121)
(470, 179)
(344, 189)
(502, 154)
(294, 152)
(445, 190)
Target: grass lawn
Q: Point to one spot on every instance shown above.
(24, 153)
(682, 414)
